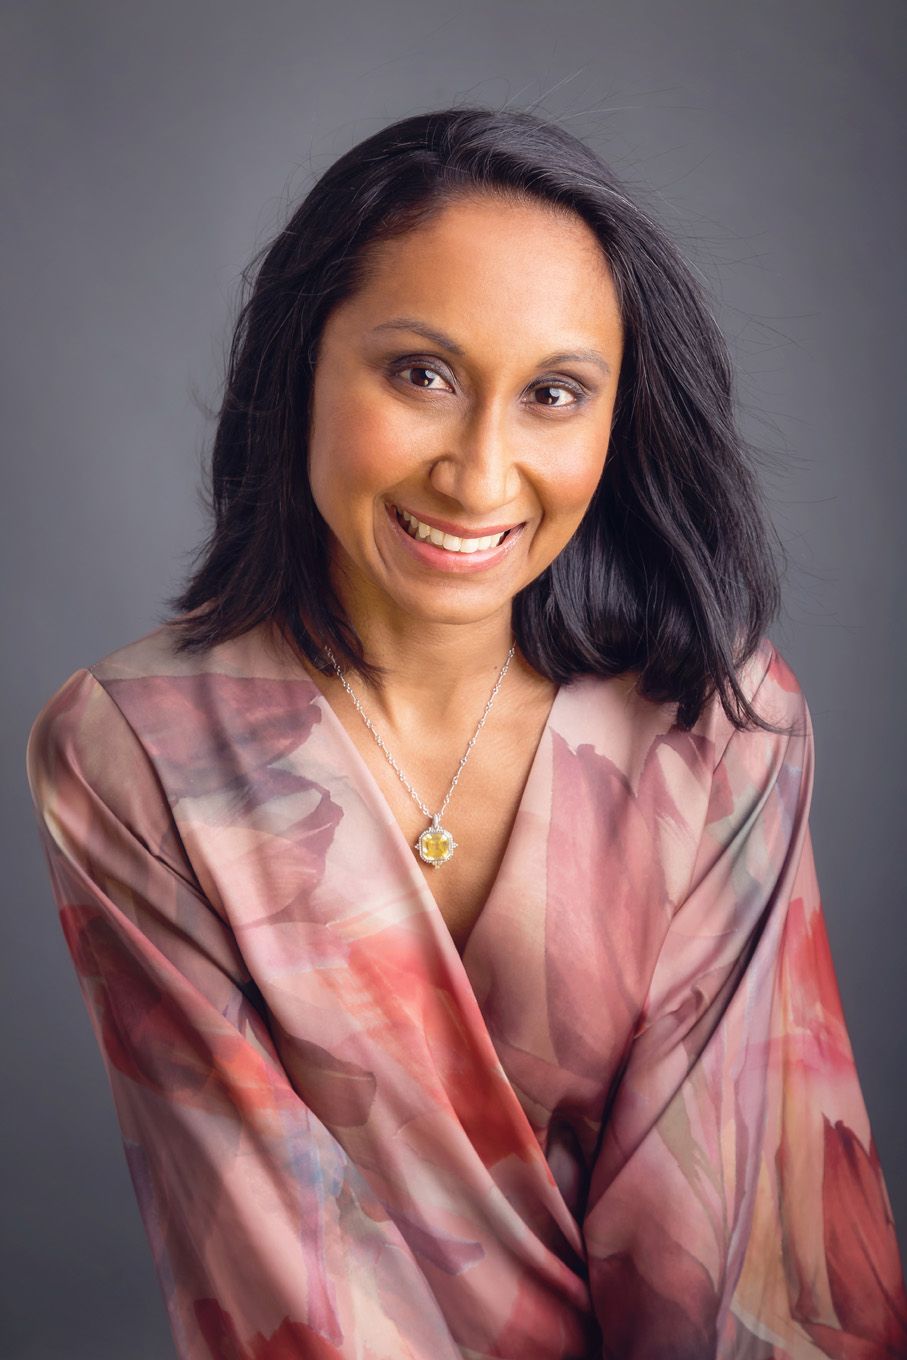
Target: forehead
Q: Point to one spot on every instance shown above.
(495, 267)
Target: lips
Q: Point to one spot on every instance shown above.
(424, 533)
(456, 530)
(443, 560)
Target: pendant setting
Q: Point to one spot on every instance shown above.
(435, 845)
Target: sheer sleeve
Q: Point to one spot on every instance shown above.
(737, 1207)
(265, 1239)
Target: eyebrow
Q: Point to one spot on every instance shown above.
(410, 323)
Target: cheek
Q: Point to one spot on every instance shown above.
(570, 481)
(357, 450)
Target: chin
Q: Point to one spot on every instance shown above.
(451, 610)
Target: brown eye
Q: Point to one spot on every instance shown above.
(549, 388)
(420, 370)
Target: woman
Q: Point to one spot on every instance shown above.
(439, 877)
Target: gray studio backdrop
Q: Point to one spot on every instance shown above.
(149, 149)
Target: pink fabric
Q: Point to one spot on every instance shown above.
(626, 1123)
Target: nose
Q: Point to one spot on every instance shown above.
(481, 470)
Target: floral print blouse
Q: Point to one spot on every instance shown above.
(624, 1123)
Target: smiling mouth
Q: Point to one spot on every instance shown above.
(425, 533)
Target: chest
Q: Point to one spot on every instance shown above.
(481, 811)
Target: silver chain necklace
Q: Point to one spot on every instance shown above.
(435, 845)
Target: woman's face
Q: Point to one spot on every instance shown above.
(470, 383)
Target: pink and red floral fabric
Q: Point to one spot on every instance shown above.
(626, 1123)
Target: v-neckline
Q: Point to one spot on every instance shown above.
(450, 977)
(406, 854)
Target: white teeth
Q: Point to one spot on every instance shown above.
(417, 529)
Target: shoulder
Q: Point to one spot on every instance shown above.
(767, 673)
(150, 674)
(97, 785)
(152, 655)
(643, 740)
(772, 688)
(106, 734)
(87, 770)
(765, 678)
(80, 749)
(80, 715)
(83, 733)
(148, 713)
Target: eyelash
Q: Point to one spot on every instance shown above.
(562, 383)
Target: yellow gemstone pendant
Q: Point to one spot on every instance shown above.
(435, 845)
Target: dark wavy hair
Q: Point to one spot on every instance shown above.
(670, 574)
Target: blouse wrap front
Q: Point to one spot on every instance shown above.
(625, 1124)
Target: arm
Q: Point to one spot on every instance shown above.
(737, 1193)
(266, 1241)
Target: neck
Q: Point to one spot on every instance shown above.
(438, 674)
(433, 672)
